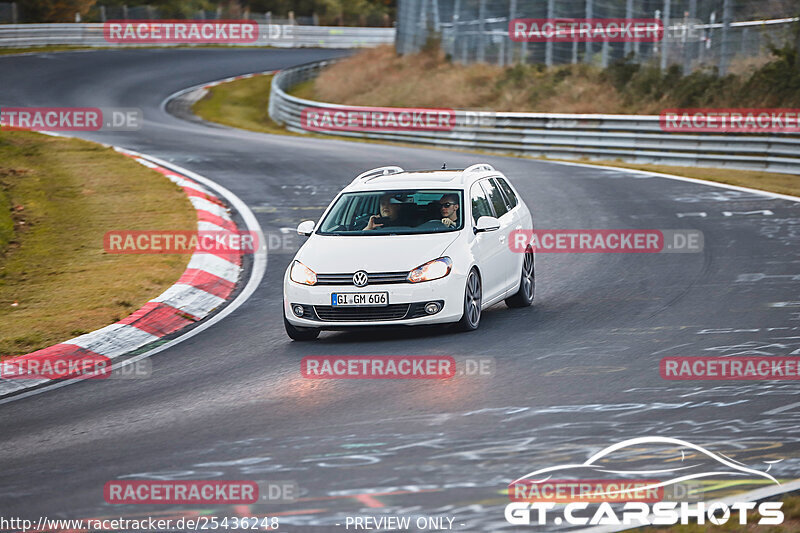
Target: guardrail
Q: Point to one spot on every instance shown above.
(632, 138)
(279, 35)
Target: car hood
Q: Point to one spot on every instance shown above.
(384, 253)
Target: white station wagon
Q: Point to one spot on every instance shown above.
(410, 248)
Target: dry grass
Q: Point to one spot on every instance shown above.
(240, 104)
(65, 194)
(378, 77)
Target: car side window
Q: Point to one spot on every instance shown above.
(480, 205)
(495, 197)
(509, 193)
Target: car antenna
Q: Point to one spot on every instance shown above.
(444, 166)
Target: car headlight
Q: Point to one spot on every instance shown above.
(438, 268)
(302, 274)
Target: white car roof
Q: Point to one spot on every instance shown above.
(396, 178)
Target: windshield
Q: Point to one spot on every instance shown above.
(395, 212)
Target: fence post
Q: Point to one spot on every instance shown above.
(727, 15)
(14, 17)
(548, 46)
(512, 13)
(481, 29)
(454, 31)
(688, 45)
(665, 40)
(589, 13)
(628, 15)
(124, 11)
(436, 21)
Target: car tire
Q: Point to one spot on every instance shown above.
(473, 297)
(527, 284)
(298, 333)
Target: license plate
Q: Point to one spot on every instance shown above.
(358, 299)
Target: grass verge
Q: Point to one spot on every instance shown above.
(240, 104)
(379, 77)
(62, 196)
(244, 103)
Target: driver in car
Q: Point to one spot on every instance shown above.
(390, 215)
(448, 206)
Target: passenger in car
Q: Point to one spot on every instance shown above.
(448, 206)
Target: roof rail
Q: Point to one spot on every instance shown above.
(479, 166)
(377, 172)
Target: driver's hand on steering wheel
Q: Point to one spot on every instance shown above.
(448, 222)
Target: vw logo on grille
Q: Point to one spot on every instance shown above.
(360, 279)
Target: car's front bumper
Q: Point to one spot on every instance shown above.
(320, 314)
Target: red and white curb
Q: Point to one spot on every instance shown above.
(208, 281)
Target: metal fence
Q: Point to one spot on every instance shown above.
(633, 138)
(22, 35)
(699, 33)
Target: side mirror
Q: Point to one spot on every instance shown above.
(486, 224)
(306, 228)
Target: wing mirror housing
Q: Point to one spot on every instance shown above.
(486, 224)
(306, 228)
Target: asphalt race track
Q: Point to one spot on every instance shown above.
(575, 373)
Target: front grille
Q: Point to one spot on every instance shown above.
(345, 314)
(374, 278)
